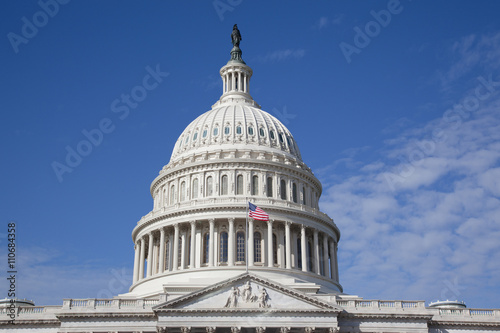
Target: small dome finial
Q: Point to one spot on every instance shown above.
(236, 51)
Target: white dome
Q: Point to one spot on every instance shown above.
(235, 126)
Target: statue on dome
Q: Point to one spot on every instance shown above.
(236, 36)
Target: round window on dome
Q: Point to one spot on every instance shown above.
(195, 136)
(271, 134)
(238, 130)
(250, 130)
(216, 131)
(262, 132)
(227, 130)
(204, 133)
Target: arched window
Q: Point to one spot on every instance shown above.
(303, 194)
(262, 132)
(299, 252)
(255, 185)
(210, 187)
(275, 249)
(179, 257)
(223, 247)
(206, 242)
(172, 194)
(167, 255)
(240, 246)
(250, 130)
(257, 250)
(269, 186)
(223, 185)
(239, 184)
(238, 129)
(216, 131)
(194, 191)
(283, 189)
(183, 191)
(271, 134)
(294, 192)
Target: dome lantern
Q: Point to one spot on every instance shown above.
(236, 76)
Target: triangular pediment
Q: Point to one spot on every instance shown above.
(246, 292)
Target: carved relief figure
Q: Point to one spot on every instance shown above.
(232, 300)
(247, 292)
(263, 297)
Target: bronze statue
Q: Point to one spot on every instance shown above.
(236, 36)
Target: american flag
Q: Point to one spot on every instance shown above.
(256, 213)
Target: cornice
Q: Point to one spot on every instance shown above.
(457, 322)
(91, 314)
(18, 322)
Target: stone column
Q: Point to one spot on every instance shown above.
(239, 82)
(150, 255)
(162, 250)
(193, 244)
(288, 248)
(183, 248)
(325, 255)
(336, 262)
(303, 247)
(142, 259)
(175, 254)
(332, 259)
(230, 247)
(211, 243)
(170, 250)
(316, 253)
(137, 248)
(270, 250)
(250, 246)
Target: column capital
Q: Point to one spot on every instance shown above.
(176, 226)
(162, 231)
(288, 223)
(231, 220)
(210, 329)
(211, 221)
(192, 222)
(270, 222)
(260, 329)
(303, 226)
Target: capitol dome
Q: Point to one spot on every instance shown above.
(199, 233)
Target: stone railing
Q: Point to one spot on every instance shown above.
(231, 200)
(109, 303)
(81, 305)
(376, 304)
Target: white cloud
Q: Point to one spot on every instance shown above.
(280, 55)
(434, 233)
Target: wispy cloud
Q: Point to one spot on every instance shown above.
(281, 55)
(324, 22)
(469, 54)
(434, 235)
(46, 276)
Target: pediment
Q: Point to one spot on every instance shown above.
(246, 292)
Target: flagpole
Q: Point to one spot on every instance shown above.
(246, 233)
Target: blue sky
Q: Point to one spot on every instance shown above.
(394, 105)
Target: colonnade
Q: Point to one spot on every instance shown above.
(224, 242)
